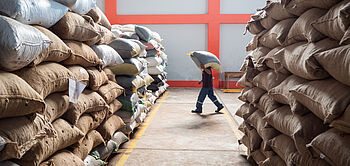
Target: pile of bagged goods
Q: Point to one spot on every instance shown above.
(297, 94)
(72, 87)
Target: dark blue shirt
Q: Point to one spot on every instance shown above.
(207, 79)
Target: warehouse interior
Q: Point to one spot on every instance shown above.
(160, 82)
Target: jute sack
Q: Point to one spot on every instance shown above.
(336, 62)
(96, 78)
(46, 78)
(130, 67)
(63, 157)
(254, 43)
(72, 26)
(276, 35)
(56, 105)
(273, 161)
(18, 135)
(302, 29)
(89, 101)
(114, 107)
(106, 36)
(249, 69)
(257, 54)
(277, 11)
(282, 95)
(267, 152)
(253, 95)
(335, 22)
(90, 121)
(270, 61)
(110, 74)
(107, 55)
(90, 141)
(298, 7)
(245, 110)
(82, 55)
(334, 145)
(254, 27)
(39, 12)
(244, 82)
(267, 103)
(125, 48)
(327, 99)
(257, 156)
(109, 126)
(17, 97)
(66, 136)
(268, 22)
(264, 130)
(299, 58)
(56, 52)
(99, 17)
(343, 123)
(80, 74)
(20, 44)
(110, 91)
(302, 129)
(268, 79)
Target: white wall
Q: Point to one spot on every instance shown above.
(241, 7)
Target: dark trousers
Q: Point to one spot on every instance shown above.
(204, 92)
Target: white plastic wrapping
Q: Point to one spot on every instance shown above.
(83, 6)
(68, 3)
(20, 44)
(91, 161)
(155, 70)
(108, 55)
(154, 61)
(41, 12)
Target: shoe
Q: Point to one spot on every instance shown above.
(196, 111)
(219, 108)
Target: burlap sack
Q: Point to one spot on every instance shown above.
(254, 43)
(110, 91)
(269, 61)
(17, 97)
(130, 67)
(253, 140)
(302, 129)
(56, 105)
(244, 82)
(90, 121)
(346, 38)
(299, 60)
(19, 134)
(249, 69)
(282, 95)
(257, 54)
(96, 78)
(254, 27)
(88, 101)
(253, 95)
(109, 126)
(268, 79)
(334, 145)
(302, 29)
(327, 99)
(63, 157)
(91, 140)
(245, 110)
(99, 17)
(267, 103)
(298, 7)
(107, 36)
(335, 22)
(66, 136)
(277, 11)
(46, 78)
(268, 152)
(273, 161)
(268, 22)
(276, 35)
(265, 131)
(240, 97)
(245, 141)
(257, 156)
(72, 26)
(82, 55)
(336, 62)
(56, 52)
(343, 123)
(114, 107)
(80, 74)
(110, 74)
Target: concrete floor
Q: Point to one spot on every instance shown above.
(172, 135)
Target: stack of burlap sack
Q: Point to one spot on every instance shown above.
(59, 99)
(297, 94)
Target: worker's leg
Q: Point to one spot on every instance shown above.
(213, 98)
(202, 94)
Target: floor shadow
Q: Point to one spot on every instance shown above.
(208, 115)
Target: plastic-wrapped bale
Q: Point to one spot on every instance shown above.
(90, 141)
(343, 123)
(110, 126)
(56, 52)
(63, 157)
(96, 78)
(88, 101)
(107, 55)
(327, 99)
(83, 6)
(72, 26)
(80, 74)
(207, 59)
(99, 17)
(130, 67)
(18, 135)
(298, 7)
(91, 161)
(18, 98)
(16, 52)
(154, 61)
(130, 83)
(90, 121)
(104, 151)
(66, 136)
(41, 12)
(56, 105)
(129, 102)
(46, 78)
(126, 48)
(82, 55)
(110, 91)
(155, 70)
